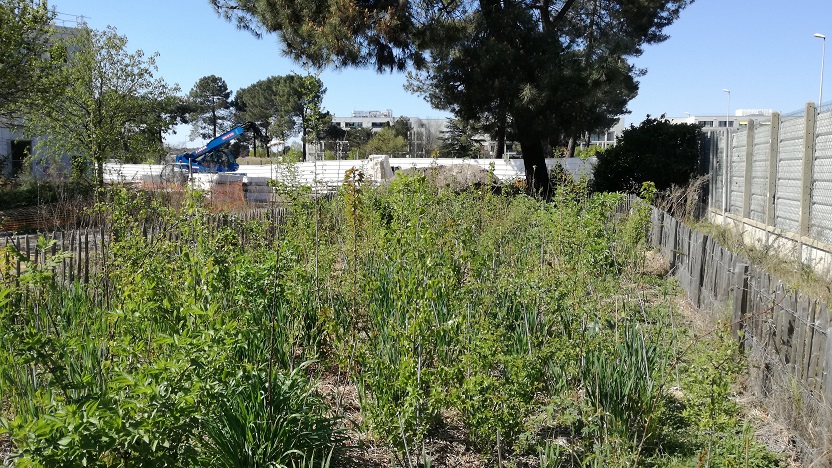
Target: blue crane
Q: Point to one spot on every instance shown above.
(212, 158)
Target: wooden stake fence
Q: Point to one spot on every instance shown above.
(87, 248)
(785, 334)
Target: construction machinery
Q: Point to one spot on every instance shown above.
(212, 158)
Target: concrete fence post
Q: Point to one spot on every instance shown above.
(808, 162)
(773, 156)
(726, 183)
(749, 158)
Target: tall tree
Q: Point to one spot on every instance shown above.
(104, 108)
(516, 66)
(25, 32)
(386, 141)
(300, 108)
(457, 141)
(210, 98)
(258, 102)
(402, 127)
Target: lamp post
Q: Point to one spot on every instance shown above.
(728, 112)
(822, 55)
(727, 169)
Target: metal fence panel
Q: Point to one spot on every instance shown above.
(789, 170)
(738, 144)
(820, 217)
(759, 172)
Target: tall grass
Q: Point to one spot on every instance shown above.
(524, 323)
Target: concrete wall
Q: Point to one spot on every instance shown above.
(331, 173)
(772, 181)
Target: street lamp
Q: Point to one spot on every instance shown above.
(726, 176)
(728, 112)
(822, 54)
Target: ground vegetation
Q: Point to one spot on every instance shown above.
(407, 324)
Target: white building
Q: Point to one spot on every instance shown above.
(374, 120)
(424, 133)
(715, 121)
(606, 139)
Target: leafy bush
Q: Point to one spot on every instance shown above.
(657, 150)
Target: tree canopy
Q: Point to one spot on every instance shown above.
(387, 141)
(108, 103)
(532, 69)
(258, 103)
(211, 107)
(458, 142)
(25, 32)
(287, 106)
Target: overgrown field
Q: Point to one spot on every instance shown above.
(377, 328)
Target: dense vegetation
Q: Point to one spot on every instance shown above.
(529, 326)
(657, 151)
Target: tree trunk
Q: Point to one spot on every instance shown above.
(99, 165)
(501, 137)
(534, 158)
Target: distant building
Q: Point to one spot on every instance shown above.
(425, 134)
(606, 139)
(740, 118)
(374, 120)
(13, 148)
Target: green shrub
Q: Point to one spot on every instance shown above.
(657, 150)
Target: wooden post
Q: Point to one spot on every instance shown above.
(698, 252)
(87, 257)
(740, 299)
(72, 256)
(63, 261)
(802, 334)
(819, 345)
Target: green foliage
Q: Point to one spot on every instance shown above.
(589, 152)
(626, 388)
(269, 421)
(33, 194)
(286, 106)
(357, 137)
(25, 29)
(216, 341)
(257, 103)
(388, 142)
(107, 104)
(656, 151)
(522, 68)
(402, 127)
(211, 107)
(457, 141)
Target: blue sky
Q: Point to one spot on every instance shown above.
(762, 50)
